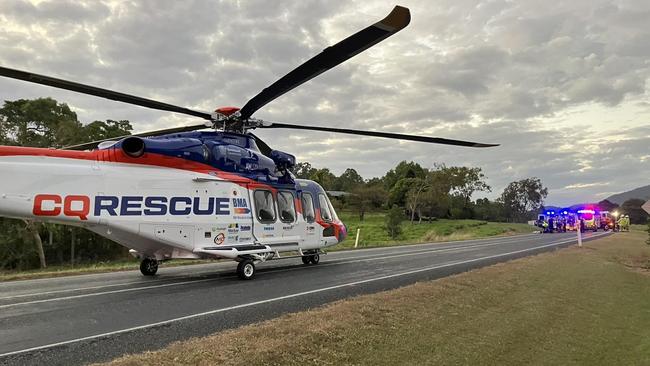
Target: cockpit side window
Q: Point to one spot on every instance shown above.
(287, 207)
(308, 207)
(325, 212)
(264, 206)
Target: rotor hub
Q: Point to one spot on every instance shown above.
(226, 111)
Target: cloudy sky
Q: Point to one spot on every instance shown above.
(564, 88)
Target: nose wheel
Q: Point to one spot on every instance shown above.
(149, 266)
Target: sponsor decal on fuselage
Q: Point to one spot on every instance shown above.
(240, 206)
(82, 206)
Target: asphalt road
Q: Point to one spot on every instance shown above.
(97, 317)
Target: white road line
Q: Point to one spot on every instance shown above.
(103, 293)
(280, 298)
(72, 290)
(355, 259)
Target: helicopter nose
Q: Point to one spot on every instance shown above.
(343, 231)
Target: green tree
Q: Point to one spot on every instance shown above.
(436, 199)
(397, 195)
(522, 197)
(403, 170)
(348, 181)
(366, 197)
(303, 170)
(324, 177)
(393, 222)
(40, 122)
(100, 130)
(414, 197)
(487, 210)
(466, 181)
(17, 250)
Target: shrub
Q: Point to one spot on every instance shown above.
(393, 222)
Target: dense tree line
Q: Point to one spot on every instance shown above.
(425, 194)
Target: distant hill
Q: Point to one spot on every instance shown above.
(641, 193)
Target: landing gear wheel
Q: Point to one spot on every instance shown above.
(314, 259)
(246, 269)
(306, 259)
(149, 266)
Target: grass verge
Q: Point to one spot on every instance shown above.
(574, 306)
(373, 233)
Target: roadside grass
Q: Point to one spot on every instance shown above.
(568, 307)
(85, 268)
(374, 234)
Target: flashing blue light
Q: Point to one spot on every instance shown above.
(566, 213)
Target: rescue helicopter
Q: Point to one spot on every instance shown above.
(185, 193)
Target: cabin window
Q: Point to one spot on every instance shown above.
(308, 207)
(325, 212)
(287, 207)
(264, 206)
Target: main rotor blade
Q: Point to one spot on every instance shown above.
(330, 57)
(399, 136)
(98, 92)
(92, 144)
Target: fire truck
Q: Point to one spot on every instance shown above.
(607, 221)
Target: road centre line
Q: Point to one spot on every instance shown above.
(280, 298)
(339, 262)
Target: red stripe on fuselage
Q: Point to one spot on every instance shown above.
(111, 155)
(37, 151)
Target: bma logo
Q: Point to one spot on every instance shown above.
(240, 206)
(80, 206)
(239, 202)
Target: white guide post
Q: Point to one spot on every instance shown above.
(356, 241)
(579, 231)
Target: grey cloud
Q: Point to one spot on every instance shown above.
(54, 11)
(505, 66)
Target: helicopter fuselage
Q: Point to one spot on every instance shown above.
(194, 195)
